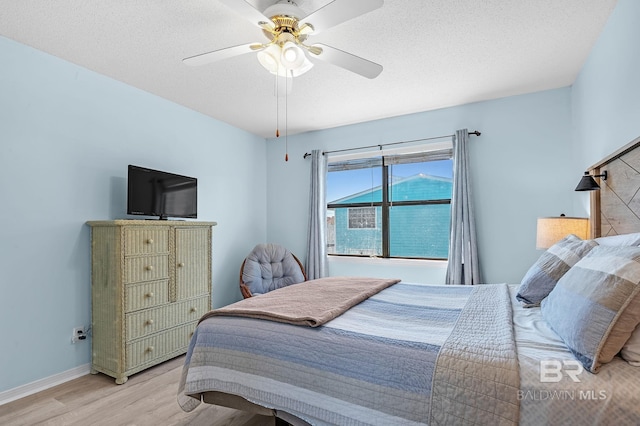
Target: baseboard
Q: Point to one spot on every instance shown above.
(43, 384)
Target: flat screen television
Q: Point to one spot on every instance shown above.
(157, 193)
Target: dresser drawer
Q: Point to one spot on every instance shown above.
(146, 268)
(149, 321)
(146, 295)
(145, 350)
(146, 240)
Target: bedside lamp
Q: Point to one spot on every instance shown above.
(550, 230)
(588, 183)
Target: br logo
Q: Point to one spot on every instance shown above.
(552, 371)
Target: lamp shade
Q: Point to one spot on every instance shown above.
(274, 59)
(292, 56)
(269, 58)
(550, 230)
(587, 183)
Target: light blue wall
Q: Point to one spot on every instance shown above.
(67, 135)
(518, 172)
(606, 95)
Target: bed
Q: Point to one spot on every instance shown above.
(387, 352)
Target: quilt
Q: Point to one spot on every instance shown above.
(409, 355)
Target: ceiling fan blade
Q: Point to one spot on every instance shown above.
(339, 11)
(217, 55)
(248, 12)
(348, 61)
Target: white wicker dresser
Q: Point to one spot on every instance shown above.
(151, 282)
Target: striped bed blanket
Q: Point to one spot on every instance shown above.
(409, 355)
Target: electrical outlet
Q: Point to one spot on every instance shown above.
(78, 334)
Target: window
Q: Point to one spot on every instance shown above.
(362, 217)
(390, 206)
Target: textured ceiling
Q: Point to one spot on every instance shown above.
(435, 53)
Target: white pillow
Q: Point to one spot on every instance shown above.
(631, 350)
(620, 240)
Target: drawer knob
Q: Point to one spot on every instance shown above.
(150, 241)
(181, 264)
(149, 268)
(150, 294)
(194, 309)
(150, 349)
(149, 322)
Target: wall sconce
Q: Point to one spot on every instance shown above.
(588, 183)
(550, 230)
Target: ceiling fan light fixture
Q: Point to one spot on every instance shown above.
(269, 58)
(292, 56)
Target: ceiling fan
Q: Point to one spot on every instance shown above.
(287, 29)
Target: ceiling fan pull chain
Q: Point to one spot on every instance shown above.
(286, 118)
(277, 108)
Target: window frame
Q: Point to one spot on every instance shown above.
(386, 204)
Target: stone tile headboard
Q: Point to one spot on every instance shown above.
(615, 208)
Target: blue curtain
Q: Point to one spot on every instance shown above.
(463, 265)
(316, 265)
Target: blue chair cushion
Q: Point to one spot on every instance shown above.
(269, 267)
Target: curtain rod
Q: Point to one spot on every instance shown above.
(307, 154)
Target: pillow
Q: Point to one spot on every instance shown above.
(595, 306)
(550, 267)
(631, 350)
(620, 240)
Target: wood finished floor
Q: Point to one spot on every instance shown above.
(148, 398)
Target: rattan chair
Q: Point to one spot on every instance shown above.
(269, 267)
